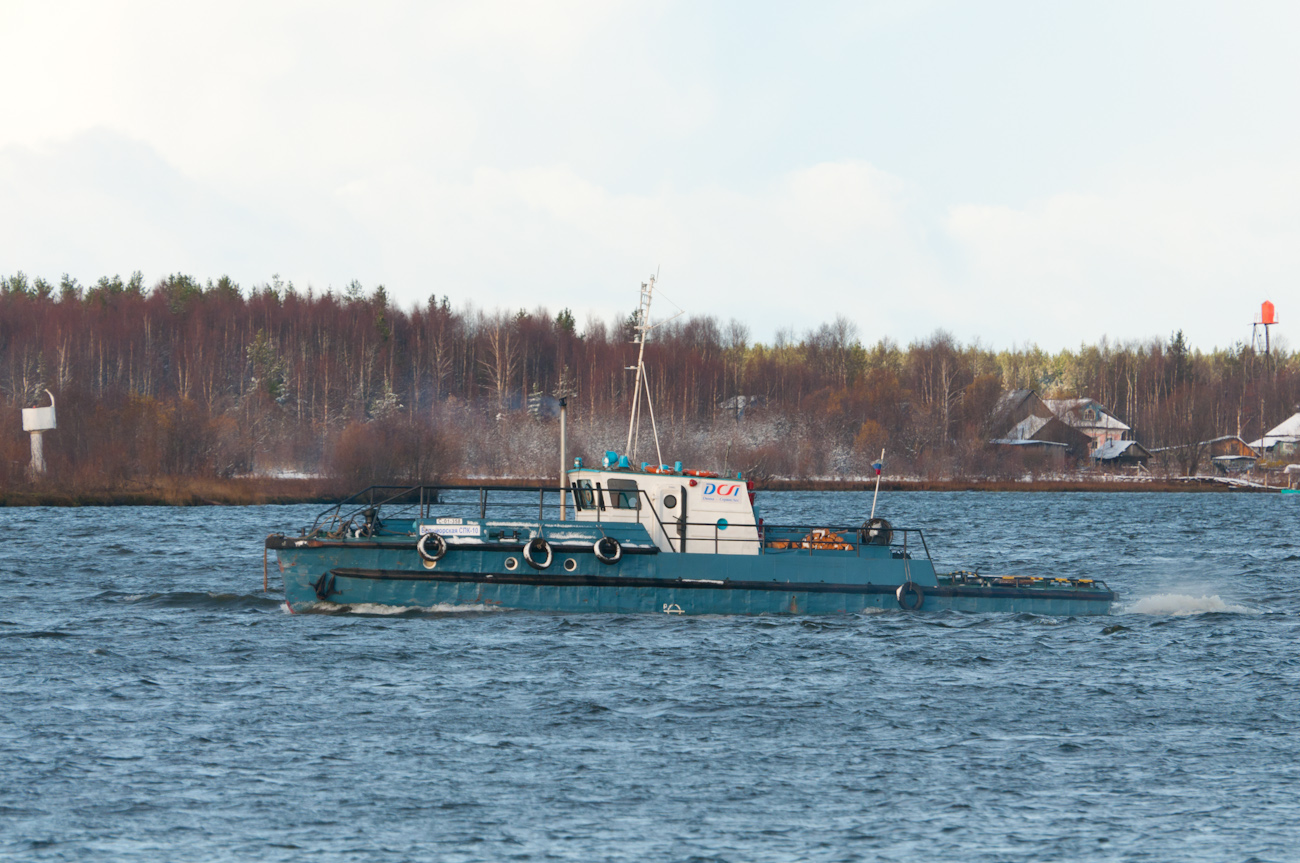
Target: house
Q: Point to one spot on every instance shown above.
(1281, 440)
(1092, 418)
(1230, 445)
(1015, 405)
(1231, 454)
(1121, 453)
(1022, 419)
(1227, 454)
(1046, 452)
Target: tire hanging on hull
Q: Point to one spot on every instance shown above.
(431, 547)
(910, 596)
(607, 549)
(538, 553)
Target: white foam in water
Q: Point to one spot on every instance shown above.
(1182, 605)
(377, 609)
(442, 607)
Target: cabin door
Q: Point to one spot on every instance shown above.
(672, 511)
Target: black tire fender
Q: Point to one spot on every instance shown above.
(538, 553)
(431, 546)
(607, 549)
(910, 596)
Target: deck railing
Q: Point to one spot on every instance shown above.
(360, 515)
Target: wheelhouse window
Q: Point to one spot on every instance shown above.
(586, 494)
(623, 494)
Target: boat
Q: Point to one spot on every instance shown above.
(622, 538)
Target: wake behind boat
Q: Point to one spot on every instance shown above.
(624, 539)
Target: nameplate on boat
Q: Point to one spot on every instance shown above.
(451, 527)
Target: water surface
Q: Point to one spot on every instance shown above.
(156, 705)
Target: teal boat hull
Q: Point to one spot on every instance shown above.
(322, 573)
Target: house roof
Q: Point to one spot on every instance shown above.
(1072, 412)
(1113, 449)
(1225, 437)
(1011, 399)
(1288, 431)
(1270, 441)
(1156, 449)
(1026, 428)
(1289, 427)
(1024, 442)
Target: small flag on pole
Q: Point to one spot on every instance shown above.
(878, 466)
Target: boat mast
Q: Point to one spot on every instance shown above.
(642, 327)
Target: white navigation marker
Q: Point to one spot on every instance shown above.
(37, 421)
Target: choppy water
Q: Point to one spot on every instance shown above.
(157, 706)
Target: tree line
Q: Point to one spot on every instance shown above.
(210, 379)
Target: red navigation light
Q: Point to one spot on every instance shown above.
(1266, 313)
(693, 483)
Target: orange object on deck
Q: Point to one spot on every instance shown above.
(1266, 314)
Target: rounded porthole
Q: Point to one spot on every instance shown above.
(429, 564)
(670, 501)
(512, 563)
(570, 565)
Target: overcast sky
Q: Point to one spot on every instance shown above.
(1010, 172)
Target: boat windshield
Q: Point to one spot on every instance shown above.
(623, 494)
(586, 494)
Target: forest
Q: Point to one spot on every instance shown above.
(190, 378)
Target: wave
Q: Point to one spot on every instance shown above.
(1184, 605)
(194, 599)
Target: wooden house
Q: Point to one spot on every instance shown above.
(1092, 418)
(1231, 454)
(1282, 440)
(1121, 453)
(1022, 419)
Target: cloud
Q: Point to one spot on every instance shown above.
(898, 165)
(834, 237)
(98, 204)
(1187, 249)
(1141, 257)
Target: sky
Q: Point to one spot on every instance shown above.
(1011, 173)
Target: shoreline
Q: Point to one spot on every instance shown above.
(269, 491)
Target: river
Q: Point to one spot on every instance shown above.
(158, 706)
